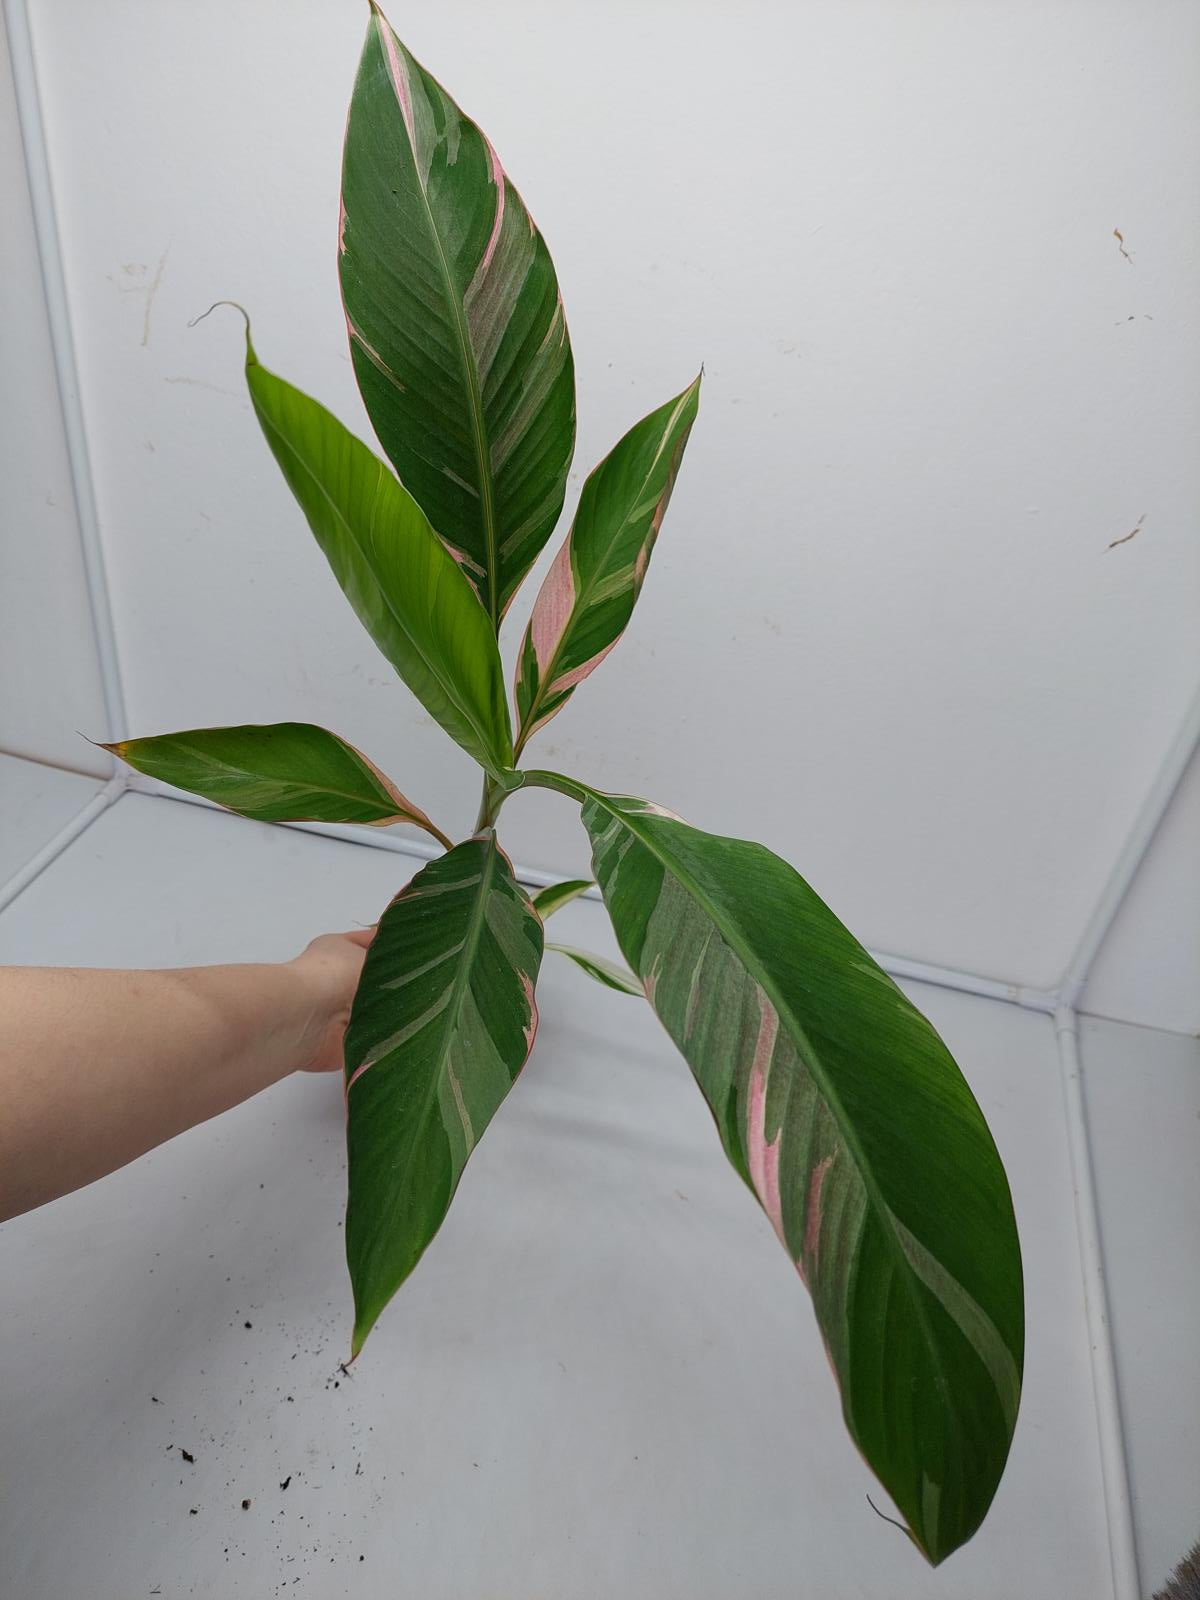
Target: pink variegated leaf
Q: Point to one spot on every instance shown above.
(588, 597)
(442, 1023)
(456, 324)
(850, 1122)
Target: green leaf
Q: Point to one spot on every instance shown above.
(281, 772)
(456, 324)
(588, 597)
(606, 972)
(845, 1113)
(558, 895)
(405, 586)
(442, 1023)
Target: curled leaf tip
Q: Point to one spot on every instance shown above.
(250, 356)
(883, 1516)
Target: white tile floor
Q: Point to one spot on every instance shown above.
(603, 1380)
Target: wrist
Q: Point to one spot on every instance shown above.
(325, 976)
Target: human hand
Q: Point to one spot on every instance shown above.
(329, 969)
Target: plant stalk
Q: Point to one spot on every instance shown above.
(495, 793)
(487, 807)
(538, 779)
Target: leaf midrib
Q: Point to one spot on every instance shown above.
(304, 783)
(466, 352)
(468, 950)
(447, 1018)
(462, 979)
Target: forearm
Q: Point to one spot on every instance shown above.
(97, 1066)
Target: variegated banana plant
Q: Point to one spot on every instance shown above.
(836, 1102)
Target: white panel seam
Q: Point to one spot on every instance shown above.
(45, 221)
(1131, 855)
(1114, 1461)
(63, 839)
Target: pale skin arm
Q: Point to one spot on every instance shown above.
(99, 1066)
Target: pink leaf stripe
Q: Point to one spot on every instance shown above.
(812, 1220)
(455, 320)
(590, 590)
(552, 608)
(443, 1022)
(763, 1155)
(842, 1109)
(398, 72)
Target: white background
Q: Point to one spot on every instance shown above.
(883, 632)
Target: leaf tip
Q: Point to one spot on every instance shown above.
(251, 358)
(363, 1324)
